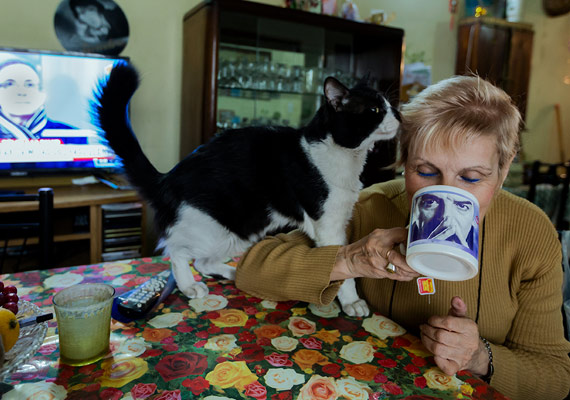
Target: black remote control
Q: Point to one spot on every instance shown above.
(139, 302)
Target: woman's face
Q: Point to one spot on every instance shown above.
(20, 93)
(472, 166)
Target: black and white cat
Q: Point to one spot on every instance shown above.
(248, 182)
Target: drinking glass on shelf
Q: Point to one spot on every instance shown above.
(262, 78)
(245, 71)
(272, 77)
(283, 78)
(298, 79)
(232, 80)
(318, 80)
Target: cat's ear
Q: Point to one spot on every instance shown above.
(336, 93)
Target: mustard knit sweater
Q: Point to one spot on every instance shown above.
(515, 299)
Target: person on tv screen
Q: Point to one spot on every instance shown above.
(22, 102)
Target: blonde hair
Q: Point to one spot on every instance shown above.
(455, 110)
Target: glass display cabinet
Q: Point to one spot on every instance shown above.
(248, 63)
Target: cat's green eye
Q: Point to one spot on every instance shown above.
(375, 110)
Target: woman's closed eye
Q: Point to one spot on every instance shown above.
(470, 180)
(432, 174)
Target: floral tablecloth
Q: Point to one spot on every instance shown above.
(230, 345)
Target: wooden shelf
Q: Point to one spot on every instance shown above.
(57, 238)
(70, 200)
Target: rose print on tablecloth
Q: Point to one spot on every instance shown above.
(143, 390)
(319, 388)
(231, 374)
(62, 280)
(221, 343)
(119, 372)
(115, 269)
(231, 317)
(357, 352)
(210, 302)
(37, 390)
(329, 311)
(269, 331)
(166, 320)
(284, 343)
(306, 359)
(330, 337)
(181, 364)
(283, 378)
(382, 327)
(133, 347)
(352, 389)
(300, 326)
(436, 379)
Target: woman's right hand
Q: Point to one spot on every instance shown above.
(370, 256)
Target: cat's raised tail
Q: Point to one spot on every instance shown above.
(111, 114)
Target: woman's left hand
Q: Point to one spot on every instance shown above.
(454, 341)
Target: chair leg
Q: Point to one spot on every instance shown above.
(46, 227)
(4, 250)
(22, 251)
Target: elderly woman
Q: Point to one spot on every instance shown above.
(461, 132)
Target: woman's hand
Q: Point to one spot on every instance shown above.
(370, 255)
(454, 341)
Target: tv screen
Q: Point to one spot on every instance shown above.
(46, 125)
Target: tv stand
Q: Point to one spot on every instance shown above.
(72, 200)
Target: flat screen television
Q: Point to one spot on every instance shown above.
(46, 123)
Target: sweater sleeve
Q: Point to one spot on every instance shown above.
(288, 267)
(533, 361)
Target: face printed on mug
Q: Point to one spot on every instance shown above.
(444, 217)
(457, 219)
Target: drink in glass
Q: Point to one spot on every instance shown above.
(83, 315)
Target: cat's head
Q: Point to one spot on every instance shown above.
(358, 117)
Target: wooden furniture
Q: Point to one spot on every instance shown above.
(72, 203)
(499, 51)
(40, 225)
(248, 63)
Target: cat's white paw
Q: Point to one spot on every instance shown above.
(357, 309)
(195, 291)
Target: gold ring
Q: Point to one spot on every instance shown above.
(388, 254)
(391, 268)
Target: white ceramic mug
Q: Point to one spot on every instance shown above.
(443, 236)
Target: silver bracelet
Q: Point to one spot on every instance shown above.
(491, 371)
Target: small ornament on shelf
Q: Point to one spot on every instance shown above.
(329, 7)
(350, 11)
(315, 6)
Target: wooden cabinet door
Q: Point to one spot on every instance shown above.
(498, 51)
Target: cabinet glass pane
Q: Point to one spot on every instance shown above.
(271, 72)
